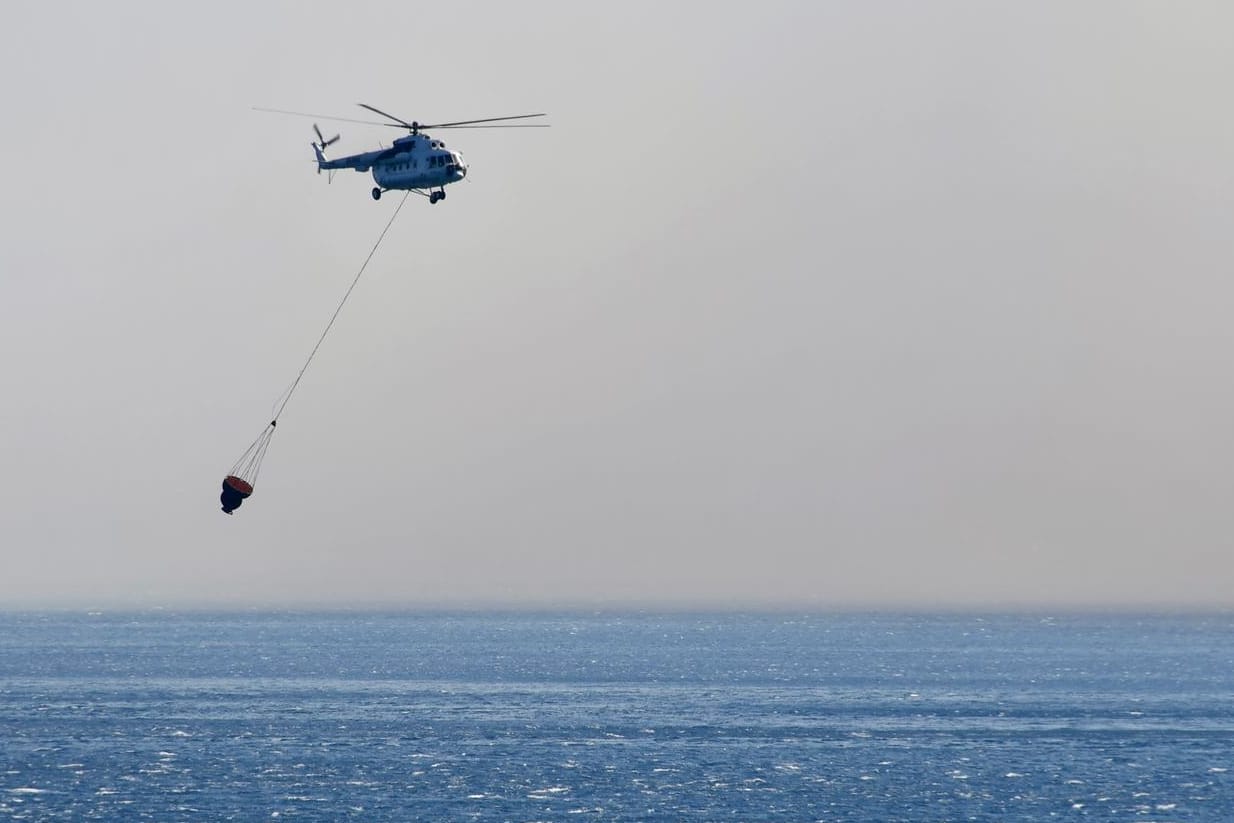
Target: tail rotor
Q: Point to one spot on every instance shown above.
(319, 149)
(322, 142)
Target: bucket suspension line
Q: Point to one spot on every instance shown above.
(333, 317)
(239, 482)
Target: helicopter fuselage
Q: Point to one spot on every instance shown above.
(415, 162)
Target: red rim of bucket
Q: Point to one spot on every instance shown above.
(242, 486)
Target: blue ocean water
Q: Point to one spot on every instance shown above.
(548, 717)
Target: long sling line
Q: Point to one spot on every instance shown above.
(334, 317)
(249, 464)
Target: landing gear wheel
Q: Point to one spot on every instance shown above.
(376, 193)
(441, 195)
(434, 196)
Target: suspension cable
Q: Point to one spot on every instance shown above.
(334, 317)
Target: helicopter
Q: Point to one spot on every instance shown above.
(415, 162)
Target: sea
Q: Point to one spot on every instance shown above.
(404, 716)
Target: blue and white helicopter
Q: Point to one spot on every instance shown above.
(415, 162)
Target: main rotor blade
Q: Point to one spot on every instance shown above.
(485, 120)
(510, 126)
(328, 117)
(384, 114)
(402, 124)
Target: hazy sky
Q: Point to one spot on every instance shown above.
(808, 304)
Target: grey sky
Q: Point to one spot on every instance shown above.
(830, 304)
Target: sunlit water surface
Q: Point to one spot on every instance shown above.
(397, 717)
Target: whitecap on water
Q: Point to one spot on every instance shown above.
(540, 794)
